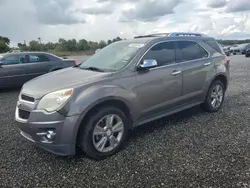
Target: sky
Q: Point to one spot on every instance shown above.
(106, 19)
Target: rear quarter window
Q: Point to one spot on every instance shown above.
(189, 50)
(213, 44)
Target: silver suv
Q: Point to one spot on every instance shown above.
(128, 83)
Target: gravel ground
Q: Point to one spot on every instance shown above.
(188, 149)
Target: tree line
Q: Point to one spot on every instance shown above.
(72, 45)
(63, 45)
(233, 42)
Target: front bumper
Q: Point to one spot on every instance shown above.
(38, 123)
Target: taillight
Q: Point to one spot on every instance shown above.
(75, 62)
(227, 59)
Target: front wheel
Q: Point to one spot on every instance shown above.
(104, 133)
(215, 97)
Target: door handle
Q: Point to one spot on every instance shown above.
(207, 64)
(176, 73)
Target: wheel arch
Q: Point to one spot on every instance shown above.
(223, 79)
(109, 101)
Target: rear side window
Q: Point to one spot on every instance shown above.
(188, 50)
(163, 53)
(213, 44)
(38, 58)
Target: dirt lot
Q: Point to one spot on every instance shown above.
(188, 149)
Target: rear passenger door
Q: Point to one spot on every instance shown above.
(196, 69)
(38, 64)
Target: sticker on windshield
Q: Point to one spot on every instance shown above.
(136, 45)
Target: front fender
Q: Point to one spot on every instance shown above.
(87, 99)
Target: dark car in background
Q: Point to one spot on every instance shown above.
(247, 54)
(18, 68)
(244, 49)
(227, 51)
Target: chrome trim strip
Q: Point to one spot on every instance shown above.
(28, 102)
(21, 120)
(175, 62)
(28, 137)
(46, 122)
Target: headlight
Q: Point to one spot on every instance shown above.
(55, 100)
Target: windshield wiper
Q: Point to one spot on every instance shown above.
(93, 69)
(78, 65)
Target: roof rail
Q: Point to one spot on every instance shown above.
(175, 34)
(153, 35)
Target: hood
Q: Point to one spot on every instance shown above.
(61, 79)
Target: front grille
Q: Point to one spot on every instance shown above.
(23, 114)
(27, 98)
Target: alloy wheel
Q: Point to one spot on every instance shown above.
(217, 95)
(108, 133)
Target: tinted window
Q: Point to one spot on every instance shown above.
(213, 44)
(188, 50)
(11, 60)
(204, 53)
(37, 58)
(163, 53)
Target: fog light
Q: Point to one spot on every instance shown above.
(50, 135)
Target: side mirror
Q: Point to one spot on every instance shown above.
(148, 63)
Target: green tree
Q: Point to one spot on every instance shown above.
(82, 45)
(50, 46)
(34, 46)
(116, 39)
(62, 45)
(3, 46)
(102, 44)
(22, 46)
(5, 39)
(71, 45)
(93, 45)
(109, 42)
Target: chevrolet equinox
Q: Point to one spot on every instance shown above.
(93, 105)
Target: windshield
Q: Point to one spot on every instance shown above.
(113, 57)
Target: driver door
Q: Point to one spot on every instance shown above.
(159, 89)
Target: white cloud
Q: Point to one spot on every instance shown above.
(101, 19)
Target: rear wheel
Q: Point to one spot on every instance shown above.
(215, 97)
(247, 55)
(104, 133)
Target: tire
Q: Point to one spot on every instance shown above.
(247, 55)
(88, 141)
(207, 105)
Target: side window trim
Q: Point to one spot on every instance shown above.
(137, 64)
(39, 59)
(192, 59)
(162, 66)
(18, 57)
